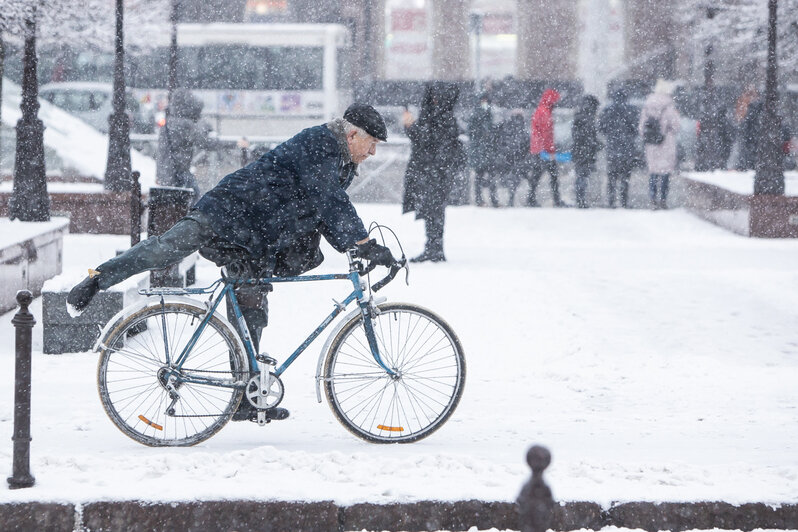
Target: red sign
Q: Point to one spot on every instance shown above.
(408, 20)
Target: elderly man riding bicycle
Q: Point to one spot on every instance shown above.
(267, 218)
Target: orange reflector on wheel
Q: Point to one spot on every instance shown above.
(390, 429)
(150, 423)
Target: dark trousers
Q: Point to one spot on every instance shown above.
(618, 179)
(181, 240)
(483, 179)
(539, 166)
(658, 189)
(434, 229)
(582, 178)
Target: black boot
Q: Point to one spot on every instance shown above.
(429, 255)
(247, 412)
(82, 293)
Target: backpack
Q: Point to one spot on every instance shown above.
(652, 131)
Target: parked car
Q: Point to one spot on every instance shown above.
(92, 102)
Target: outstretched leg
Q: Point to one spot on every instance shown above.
(181, 240)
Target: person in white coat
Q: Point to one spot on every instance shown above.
(659, 126)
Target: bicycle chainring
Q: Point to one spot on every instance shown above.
(268, 398)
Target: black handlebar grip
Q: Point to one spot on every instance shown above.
(376, 287)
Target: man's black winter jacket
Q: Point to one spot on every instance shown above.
(287, 197)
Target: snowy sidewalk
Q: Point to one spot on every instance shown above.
(655, 354)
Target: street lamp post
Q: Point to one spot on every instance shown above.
(29, 200)
(769, 177)
(475, 21)
(117, 169)
(708, 144)
(172, 80)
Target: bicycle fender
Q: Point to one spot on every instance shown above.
(148, 302)
(326, 346)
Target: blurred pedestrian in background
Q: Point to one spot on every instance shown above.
(618, 123)
(714, 141)
(482, 150)
(748, 136)
(541, 146)
(726, 136)
(659, 124)
(436, 155)
(585, 145)
(182, 133)
(512, 153)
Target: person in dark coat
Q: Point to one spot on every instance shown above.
(618, 123)
(513, 151)
(436, 155)
(267, 219)
(750, 131)
(585, 145)
(726, 134)
(715, 139)
(482, 151)
(182, 134)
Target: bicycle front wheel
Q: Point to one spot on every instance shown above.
(150, 400)
(430, 374)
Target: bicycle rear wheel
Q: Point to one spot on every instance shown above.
(133, 376)
(428, 359)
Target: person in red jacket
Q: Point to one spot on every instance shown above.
(541, 146)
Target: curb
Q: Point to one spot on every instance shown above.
(252, 516)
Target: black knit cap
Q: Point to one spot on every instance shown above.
(368, 119)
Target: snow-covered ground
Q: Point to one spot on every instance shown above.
(654, 354)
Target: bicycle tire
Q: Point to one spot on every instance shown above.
(371, 404)
(131, 382)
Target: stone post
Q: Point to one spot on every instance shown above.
(23, 323)
(535, 503)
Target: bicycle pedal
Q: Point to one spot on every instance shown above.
(266, 359)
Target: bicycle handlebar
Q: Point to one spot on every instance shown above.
(356, 264)
(395, 267)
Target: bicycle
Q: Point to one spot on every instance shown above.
(172, 372)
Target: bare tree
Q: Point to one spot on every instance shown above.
(738, 29)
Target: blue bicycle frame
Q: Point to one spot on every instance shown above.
(228, 291)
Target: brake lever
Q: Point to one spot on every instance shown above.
(406, 266)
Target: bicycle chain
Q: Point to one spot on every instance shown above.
(208, 371)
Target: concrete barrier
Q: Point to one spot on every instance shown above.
(30, 253)
(63, 333)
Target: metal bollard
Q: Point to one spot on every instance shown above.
(535, 503)
(23, 323)
(135, 209)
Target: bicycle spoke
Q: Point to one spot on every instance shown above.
(133, 377)
(395, 408)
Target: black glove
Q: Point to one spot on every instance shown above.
(375, 253)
